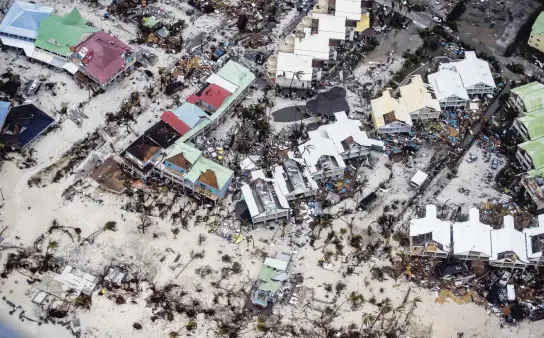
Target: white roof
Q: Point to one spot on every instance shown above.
(249, 196)
(27, 46)
(508, 239)
(446, 83)
(350, 9)
(289, 65)
(281, 177)
(386, 104)
(419, 177)
(530, 232)
(344, 128)
(315, 46)
(439, 229)
(331, 27)
(472, 70)
(416, 96)
(218, 80)
(277, 264)
(315, 148)
(472, 235)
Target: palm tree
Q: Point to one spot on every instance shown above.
(109, 226)
(298, 75)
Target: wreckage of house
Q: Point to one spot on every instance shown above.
(328, 146)
(68, 285)
(294, 179)
(506, 247)
(21, 126)
(268, 286)
(264, 198)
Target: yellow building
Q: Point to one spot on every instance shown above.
(536, 40)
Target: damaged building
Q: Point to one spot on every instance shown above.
(294, 180)
(264, 199)
(506, 247)
(268, 286)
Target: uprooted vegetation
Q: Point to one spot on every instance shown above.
(68, 162)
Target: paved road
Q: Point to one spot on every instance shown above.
(423, 20)
(491, 110)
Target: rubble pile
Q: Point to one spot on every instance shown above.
(512, 296)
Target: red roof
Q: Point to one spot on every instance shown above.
(171, 119)
(106, 55)
(193, 99)
(214, 95)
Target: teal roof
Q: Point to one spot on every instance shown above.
(238, 75)
(536, 172)
(267, 284)
(535, 149)
(532, 95)
(191, 154)
(203, 164)
(195, 130)
(534, 122)
(538, 26)
(190, 114)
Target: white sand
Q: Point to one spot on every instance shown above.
(29, 212)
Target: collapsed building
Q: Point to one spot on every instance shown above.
(268, 286)
(264, 199)
(328, 146)
(294, 179)
(506, 247)
(416, 102)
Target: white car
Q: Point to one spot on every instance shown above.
(437, 19)
(438, 2)
(404, 2)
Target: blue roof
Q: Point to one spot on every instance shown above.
(24, 18)
(23, 124)
(190, 114)
(4, 109)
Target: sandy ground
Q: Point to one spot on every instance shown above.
(29, 211)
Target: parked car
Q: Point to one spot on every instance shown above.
(494, 164)
(437, 19)
(472, 158)
(438, 2)
(404, 2)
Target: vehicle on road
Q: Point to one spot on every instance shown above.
(494, 164)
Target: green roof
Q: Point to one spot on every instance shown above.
(267, 284)
(222, 173)
(57, 34)
(191, 154)
(538, 26)
(534, 122)
(535, 149)
(149, 22)
(536, 173)
(532, 95)
(238, 75)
